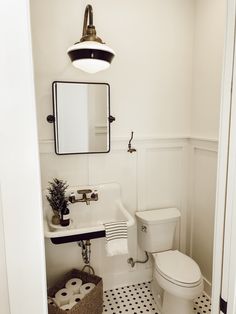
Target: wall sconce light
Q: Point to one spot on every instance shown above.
(90, 54)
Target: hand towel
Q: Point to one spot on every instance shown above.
(116, 238)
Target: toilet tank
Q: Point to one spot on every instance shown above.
(156, 229)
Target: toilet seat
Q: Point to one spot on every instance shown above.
(178, 268)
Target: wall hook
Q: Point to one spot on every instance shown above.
(130, 149)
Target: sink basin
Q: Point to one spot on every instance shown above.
(89, 219)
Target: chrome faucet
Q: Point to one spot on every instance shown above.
(85, 198)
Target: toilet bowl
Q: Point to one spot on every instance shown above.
(177, 279)
(180, 278)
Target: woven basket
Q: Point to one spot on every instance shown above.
(92, 303)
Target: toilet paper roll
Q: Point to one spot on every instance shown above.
(67, 307)
(52, 301)
(77, 297)
(87, 287)
(63, 296)
(74, 285)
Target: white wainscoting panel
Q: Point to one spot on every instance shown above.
(163, 180)
(203, 185)
(157, 175)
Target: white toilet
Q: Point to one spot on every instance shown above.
(177, 278)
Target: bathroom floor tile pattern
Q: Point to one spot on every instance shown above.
(202, 305)
(133, 299)
(137, 299)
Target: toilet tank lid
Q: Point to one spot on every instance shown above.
(158, 215)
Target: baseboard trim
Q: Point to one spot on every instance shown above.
(207, 287)
(118, 280)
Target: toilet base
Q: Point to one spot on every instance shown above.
(172, 304)
(157, 293)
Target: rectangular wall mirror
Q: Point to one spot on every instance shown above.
(81, 117)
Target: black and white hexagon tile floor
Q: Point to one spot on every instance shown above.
(136, 299)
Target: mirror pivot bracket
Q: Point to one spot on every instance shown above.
(111, 119)
(51, 118)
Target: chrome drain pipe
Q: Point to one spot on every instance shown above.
(86, 250)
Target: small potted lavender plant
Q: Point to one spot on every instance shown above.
(58, 201)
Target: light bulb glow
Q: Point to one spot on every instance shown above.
(91, 65)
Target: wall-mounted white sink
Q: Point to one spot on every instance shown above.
(89, 218)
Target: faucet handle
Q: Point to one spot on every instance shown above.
(84, 191)
(71, 197)
(94, 195)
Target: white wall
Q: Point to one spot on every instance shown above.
(153, 62)
(19, 166)
(210, 18)
(155, 91)
(159, 75)
(150, 94)
(4, 297)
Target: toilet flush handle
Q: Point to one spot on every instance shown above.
(144, 228)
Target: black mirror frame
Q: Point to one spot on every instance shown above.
(52, 118)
